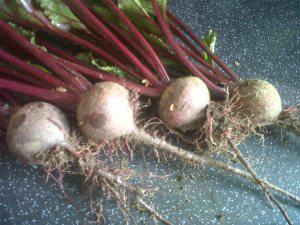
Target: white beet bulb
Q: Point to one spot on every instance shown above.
(105, 112)
(259, 100)
(34, 128)
(183, 103)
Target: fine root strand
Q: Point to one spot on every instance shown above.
(265, 189)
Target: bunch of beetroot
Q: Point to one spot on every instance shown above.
(91, 59)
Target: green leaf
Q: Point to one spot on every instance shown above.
(114, 70)
(85, 57)
(138, 6)
(41, 67)
(169, 63)
(157, 41)
(59, 14)
(163, 6)
(15, 8)
(26, 33)
(210, 41)
(138, 10)
(107, 13)
(89, 58)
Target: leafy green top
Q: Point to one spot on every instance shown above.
(59, 14)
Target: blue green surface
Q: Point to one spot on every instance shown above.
(263, 36)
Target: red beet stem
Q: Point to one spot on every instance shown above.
(67, 56)
(112, 56)
(209, 75)
(100, 75)
(34, 71)
(58, 52)
(180, 53)
(24, 77)
(86, 44)
(5, 95)
(65, 100)
(44, 57)
(79, 77)
(179, 23)
(100, 29)
(129, 40)
(184, 39)
(194, 53)
(217, 74)
(101, 53)
(141, 39)
(27, 6)
(6, 43)
(105, 45)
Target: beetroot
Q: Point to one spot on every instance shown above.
(183, 102)
(34, 128)
(105, 112)
(260, 101)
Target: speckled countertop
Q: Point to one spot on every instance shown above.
(263, 36)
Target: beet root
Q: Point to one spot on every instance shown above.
(183, 103)
(105, 112)
(34, 128)
(260, 101)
